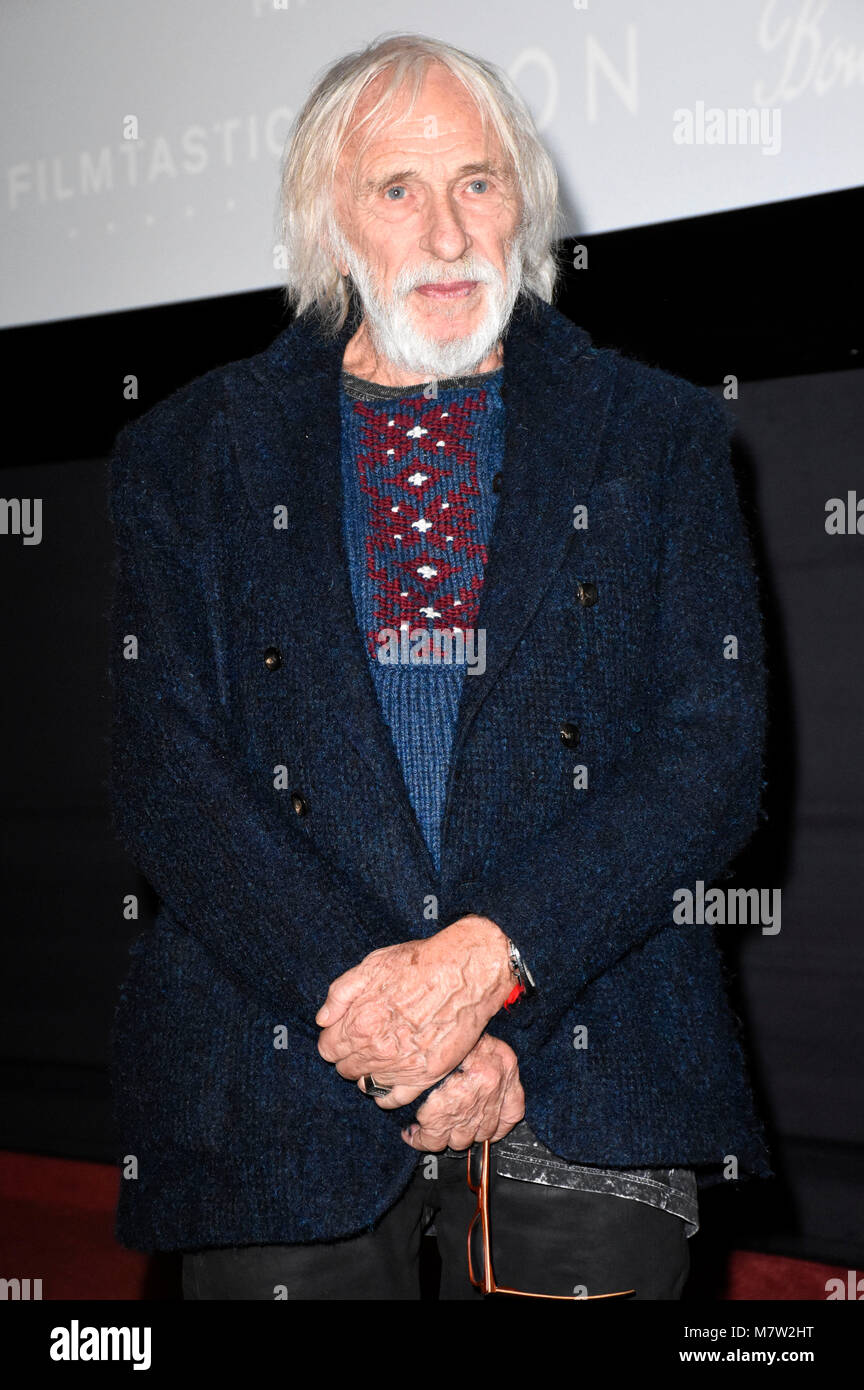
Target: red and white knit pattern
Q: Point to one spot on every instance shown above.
(417, 464)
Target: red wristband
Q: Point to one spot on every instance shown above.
(516, 993)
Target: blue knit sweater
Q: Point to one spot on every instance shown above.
(256, 785)
(419, 502)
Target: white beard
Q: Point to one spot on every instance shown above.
(390, 323)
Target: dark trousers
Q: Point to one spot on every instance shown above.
(544, 1240)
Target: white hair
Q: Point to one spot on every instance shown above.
(323, 126)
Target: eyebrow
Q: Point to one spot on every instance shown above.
(403, 175)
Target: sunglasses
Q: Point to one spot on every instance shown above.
(480, 1270)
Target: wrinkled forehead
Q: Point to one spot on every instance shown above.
(422, 107)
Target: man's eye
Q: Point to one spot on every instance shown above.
(483, 182)
(397, 188)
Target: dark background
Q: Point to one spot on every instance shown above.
(768, 294)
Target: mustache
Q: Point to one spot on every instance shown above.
(409, 278)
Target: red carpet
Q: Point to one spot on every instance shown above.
(57, 1218)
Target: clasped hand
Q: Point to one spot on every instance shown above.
(409, 1014)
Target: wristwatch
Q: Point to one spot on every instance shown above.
(524, 986)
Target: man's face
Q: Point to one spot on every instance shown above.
(427, 229)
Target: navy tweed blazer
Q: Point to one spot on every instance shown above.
(255, 785)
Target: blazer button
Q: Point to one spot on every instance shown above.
(299, 802)
(496, 482)
(570, 734)
(586, 594)
(272, 658)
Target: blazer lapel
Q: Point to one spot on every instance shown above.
(556, 397)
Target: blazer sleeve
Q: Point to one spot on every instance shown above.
(684, 797)
(243, 880)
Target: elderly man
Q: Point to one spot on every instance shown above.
(437, 671)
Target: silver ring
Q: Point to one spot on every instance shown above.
(371, 1087)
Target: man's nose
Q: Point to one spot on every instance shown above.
(444, 234)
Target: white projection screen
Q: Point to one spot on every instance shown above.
(653, 112)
